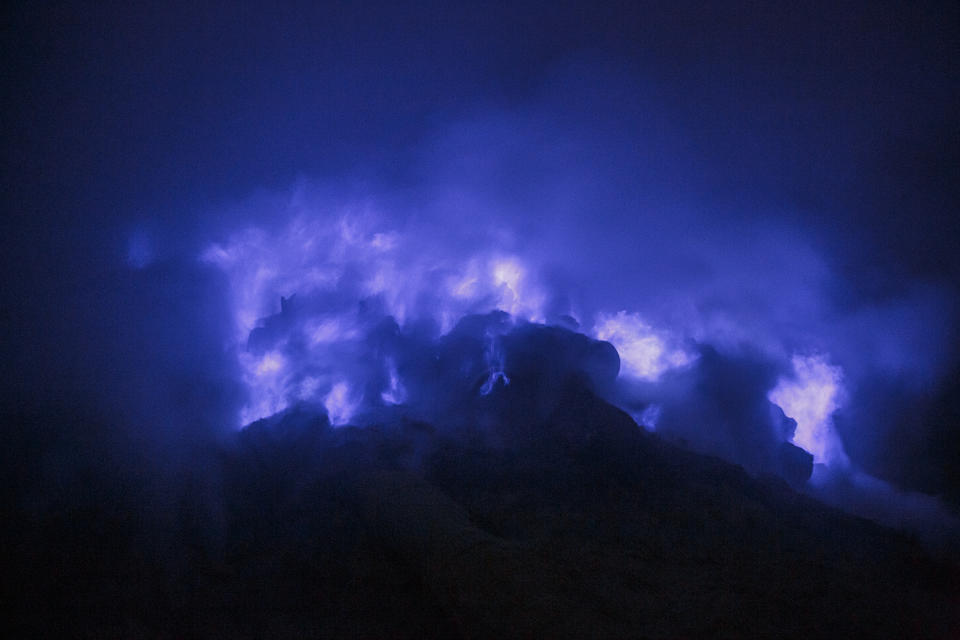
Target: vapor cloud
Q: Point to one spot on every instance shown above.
(729, 329)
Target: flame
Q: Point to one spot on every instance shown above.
(395, 393)
(340, 404)
(811, 396)
(348, 270)
(339, 265)
(644, 352)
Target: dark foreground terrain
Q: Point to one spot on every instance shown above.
(579, 526)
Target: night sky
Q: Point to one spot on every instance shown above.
(758, 189)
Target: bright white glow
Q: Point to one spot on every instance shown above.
(340, 406)
(644, 353)
(810, 397)
(266, 381)
(515, 293)
(272, 362)
(507, 272)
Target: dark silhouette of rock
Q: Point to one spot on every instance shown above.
(553, 515)
(796, 464)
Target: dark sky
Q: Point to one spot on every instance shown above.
(837, 119)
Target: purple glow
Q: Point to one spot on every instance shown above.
(396, 393)
(314, 349)
(810, 397)
(332, 261)
(340, 404)
(649, 417)
(370, 296)
(644, 352)
(328, 264)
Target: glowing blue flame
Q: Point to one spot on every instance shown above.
(650, 416)
(810, 397)
(333, 263)
(644, 352)
(395, 393)
(338, 275)
(340, 404)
